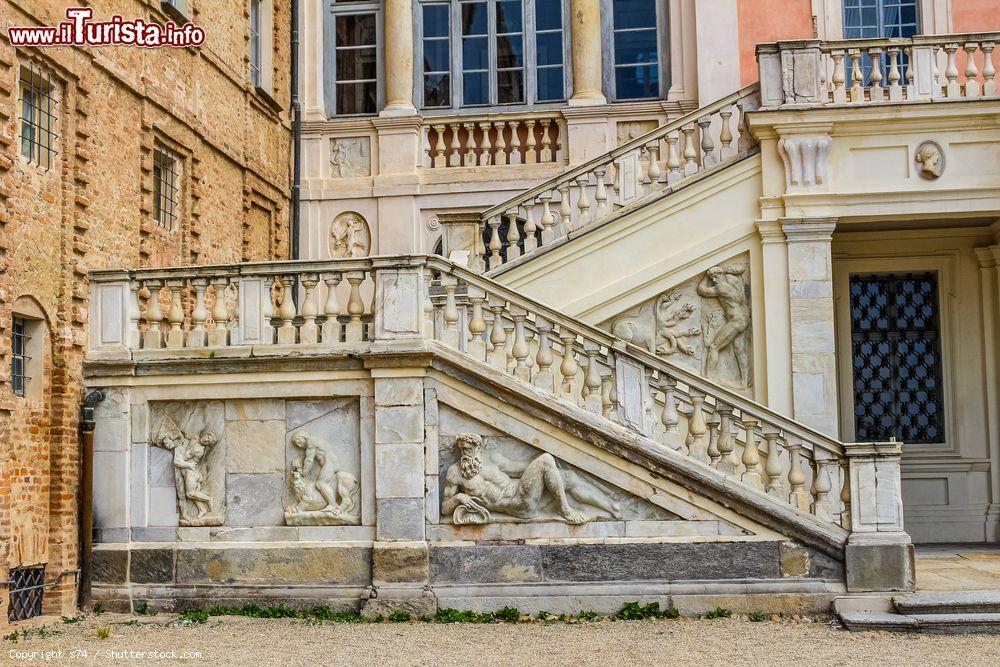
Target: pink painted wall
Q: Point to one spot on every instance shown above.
(771, 20)
(975, 15)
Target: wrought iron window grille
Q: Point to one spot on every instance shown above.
(38, 107)
(166, 186)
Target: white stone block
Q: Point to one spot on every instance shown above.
(399, 391)
(399, 471)
(255, 409)
(139, 414)
(110, 490)
(432, 498)
(404, 424)
(111, 435)
(162, 506)
(139, 486)
(255, 446)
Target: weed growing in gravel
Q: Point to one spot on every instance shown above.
(757, 616)
(588, 616)
(72, 619)
(633, 611)
(98, 608)
(143, 608)
(104, 632)
(399, 617)
(719, 612)
(41, 632)
(194, 616)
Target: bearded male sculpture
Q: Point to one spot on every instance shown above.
(477, 486)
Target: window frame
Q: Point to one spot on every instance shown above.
(530, 60)
(608, 52)
(256, 44)
(175, 211)
(20, 340)
(330, 81)
(37, 116)
(881, 19)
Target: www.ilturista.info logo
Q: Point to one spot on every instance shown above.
(79, 30)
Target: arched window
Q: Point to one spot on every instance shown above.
(487, 53)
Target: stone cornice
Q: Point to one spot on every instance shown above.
(799, 230)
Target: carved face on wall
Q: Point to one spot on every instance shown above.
(470, 447)
(931, 160)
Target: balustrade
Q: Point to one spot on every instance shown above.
(494, 140)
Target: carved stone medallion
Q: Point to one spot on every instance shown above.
(929, 159)
(349, 236)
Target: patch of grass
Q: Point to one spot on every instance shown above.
(588, 616)
(104, 632)
(12, 637)
(544, 615)
(131, 624)
(195, 616)
(72, 619)
(448, 615)
(719, 612)
(142, 608)
(98, 608)
(507, 615)
(757, 616)
(399, 617)
(633, 611)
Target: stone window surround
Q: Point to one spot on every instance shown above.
(529, 56)
(934, 17)
(944, 265)
(608, 58)
(261, 28)
(33, 316)
(38, 81)
(331, 10)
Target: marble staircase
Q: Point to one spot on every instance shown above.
(936, 612)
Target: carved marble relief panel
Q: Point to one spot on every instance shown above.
(350, 236)
(486, 477)
(350, 157)
(193, 433)
(703, 323)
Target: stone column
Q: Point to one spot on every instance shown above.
(399, 58)
(683, 53)
(810, 299)
(777, 341)
(879, 554)
(585, 40)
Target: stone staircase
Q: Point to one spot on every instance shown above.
(932, 612)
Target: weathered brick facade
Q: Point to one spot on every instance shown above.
(93, 208)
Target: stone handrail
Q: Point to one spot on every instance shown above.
(367, 305)
(923, 68)
(589, 193)
(495, 139)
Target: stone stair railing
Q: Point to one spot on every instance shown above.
(589, 194)
(496, 139)
(363, 306)
(871, 71)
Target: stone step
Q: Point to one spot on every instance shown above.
(946, 602)
(859, 621)
(955, 624)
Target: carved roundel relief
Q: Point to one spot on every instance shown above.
(929, 159)
(350, 236)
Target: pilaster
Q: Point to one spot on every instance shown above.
(810, 299)
(774, 251)
(585, 42)
(399, 58)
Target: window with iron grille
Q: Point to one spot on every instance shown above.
(19, 374)
(896, 347)
(38, 116)
(255, 43)
(26, 588)
(166, 186)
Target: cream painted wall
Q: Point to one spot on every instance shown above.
(947, 486)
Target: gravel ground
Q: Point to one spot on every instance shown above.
(734, 641)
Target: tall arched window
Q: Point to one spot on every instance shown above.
(486, 53)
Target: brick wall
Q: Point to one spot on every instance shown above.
(94, 209)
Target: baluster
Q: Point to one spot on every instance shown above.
(501, 144)
(546, 154)
(673, 172)
(516, 156)
(895, 89)
(513, 235)
(727, 464)
(911, 75)
(331, 309)
(451, 336)
(592, 381)
(520, 350)
(616, 182)
(772, 466)
(690, 154)
(175, 315)
(726, 134)
(133, 334)
(989, 70)
(470, 145)
(601, 193)
(714, 424)
(707, 144)
(565, 209)
(219, 334)
(439, 148)
(582, 201)
(544, 378)
(286, 312)
(495, 244)
(876, 92)
(197, 337)
(839, 77)
(355, 331)
(845, 495)
(697, 428)
(309, 331)
(531, 153)
(939, 80)
(654, 172)
(498, 337)
(797, 496)
(569, 367)
(857, 79)
(643, 175)
(953, 90)
(477, 324)
(607, 394)
(430, 319)
(971, 71)
(455, 157)
(267, 310)
(669, 417)
(152, 339)
(751, 453)
(822, 507)
(548, 225)
(486, 147)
